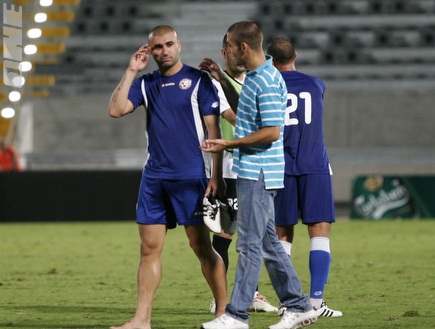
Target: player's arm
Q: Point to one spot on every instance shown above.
(230, 92)
(216, 184)
(263, 136)
(216, 72)
(226, 112)
(119, 104)
(230, 116)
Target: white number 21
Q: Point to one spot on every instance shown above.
(294, 106)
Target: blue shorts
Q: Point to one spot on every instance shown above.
(170, 202)
(308, 197)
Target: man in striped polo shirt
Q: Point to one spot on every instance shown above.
(259, 164)
(221, 241)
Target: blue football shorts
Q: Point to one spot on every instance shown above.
(170, 202)
(309, 197)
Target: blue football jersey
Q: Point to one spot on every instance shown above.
(304, 146)
(175, 129)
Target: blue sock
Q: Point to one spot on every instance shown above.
(320, 261)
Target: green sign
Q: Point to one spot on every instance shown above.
(377, 197)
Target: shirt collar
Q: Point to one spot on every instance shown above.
(262, 67)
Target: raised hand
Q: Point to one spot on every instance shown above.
(213, 68)
(139, 60)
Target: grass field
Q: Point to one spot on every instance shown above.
(83, 275)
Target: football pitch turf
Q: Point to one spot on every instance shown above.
(83, 275)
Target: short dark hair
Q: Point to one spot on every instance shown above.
(249, 32)
(282, 50)
(225, 41)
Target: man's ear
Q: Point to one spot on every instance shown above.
(244, 46)
(224, 53)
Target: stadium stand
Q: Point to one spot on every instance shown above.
(366, 34)
(335, 33)
(104, 31)
(377, 58)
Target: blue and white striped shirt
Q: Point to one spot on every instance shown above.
(262, 103)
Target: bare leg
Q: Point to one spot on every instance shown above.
(285, 233)
(212, 266)
(321, 229)
(149, 274)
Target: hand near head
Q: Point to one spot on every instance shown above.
(213, 68)
(139, 60)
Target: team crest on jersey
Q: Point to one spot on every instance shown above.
(185, 84)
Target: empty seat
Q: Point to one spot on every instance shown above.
(353, 7)
(360, 39)
(397, 38)
(427, 36)
(419, 7)
(312, 39)
(404, 55)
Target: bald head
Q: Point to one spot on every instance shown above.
(161, 30)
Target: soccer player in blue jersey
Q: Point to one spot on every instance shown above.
(179, 102)
(259, 164)
(307, 188)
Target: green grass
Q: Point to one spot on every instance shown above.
(83, 275)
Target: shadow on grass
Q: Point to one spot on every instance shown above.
(98, 317)
(64, 316)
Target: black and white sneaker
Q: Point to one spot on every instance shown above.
(324, 310)
(228, 217)
(211, 214)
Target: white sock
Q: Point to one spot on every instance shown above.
(287, 247)
(316, 303)
(320, 243)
